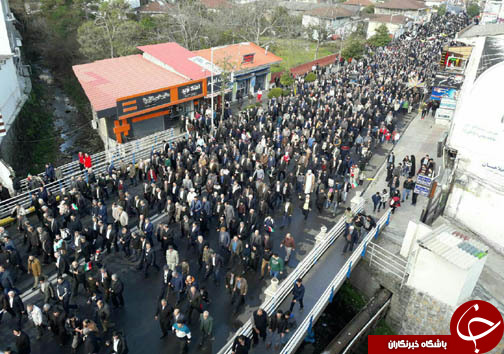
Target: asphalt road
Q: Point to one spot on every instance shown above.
(136, 320)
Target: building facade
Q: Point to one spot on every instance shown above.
(14, 76)
(137, 95)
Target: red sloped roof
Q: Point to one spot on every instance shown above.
(359, 2)
(177, 57)
(105, 81)
(402, 5)
(216, 4)
(234, 53)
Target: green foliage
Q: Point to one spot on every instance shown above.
(359, 33)
(442, 10)
(252, 106)
(275, 92)
(353, 48)
(34, 127)
(473, 9)
(286, 79)
(369, 9)
(383, 329)
(109, 35)
(286, 92)
(277, 68)
(381, 37)
(351, 297)
(310, 77)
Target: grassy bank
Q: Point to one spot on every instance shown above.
(299, 51)
(36, 142)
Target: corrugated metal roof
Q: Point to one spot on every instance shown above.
(454, 246)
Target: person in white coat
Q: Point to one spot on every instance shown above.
(309, 182)
(35, 315)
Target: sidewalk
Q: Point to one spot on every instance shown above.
(419, 139)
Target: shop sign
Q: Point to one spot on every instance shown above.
(141, 102)
(190, 90)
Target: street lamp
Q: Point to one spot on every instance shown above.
(212, 88)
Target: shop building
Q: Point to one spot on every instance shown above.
(137, 95)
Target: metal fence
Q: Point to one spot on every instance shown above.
(128, 152)
(387, 262)
(300, 333)
(270, 305)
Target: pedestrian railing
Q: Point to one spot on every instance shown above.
(270, 305)
(306, 326)
(133, 152)
(387, 262)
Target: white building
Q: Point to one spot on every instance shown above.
(476, 140)
(14, 77)
(409, 8)
(393, 22)
(330, 18)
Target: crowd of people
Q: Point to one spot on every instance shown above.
(225, 195)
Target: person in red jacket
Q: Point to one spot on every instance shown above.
(88, 163)
(81, 160)
(151, 175)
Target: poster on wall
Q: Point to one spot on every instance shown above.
(443, 92)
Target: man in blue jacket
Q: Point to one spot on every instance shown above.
(298, 295)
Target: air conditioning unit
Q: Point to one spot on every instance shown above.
(10, 17)
(94, 124)
(17, 53)
(19, 43)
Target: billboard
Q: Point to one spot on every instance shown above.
(443, 92)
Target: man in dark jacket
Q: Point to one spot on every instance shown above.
(163, 315)
(241, 345)
(116, 291)
(259, 326)
(22, 341)
(298, 293)
(118, 344)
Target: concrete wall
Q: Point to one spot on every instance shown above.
(478, 206)
(10, 92)
(392, 28)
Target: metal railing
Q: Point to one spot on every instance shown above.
(270, 305)
(128, 152)
(299, 335)
(387, 262)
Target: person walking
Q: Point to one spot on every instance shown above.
(163, 315)
(290, 245)
(408, 186)
(206, 327)
(22, 341)
(35, 316)
(351, 238)
(384, 200)
(183, 334)
(277, 327)
(116, 291)
(298, 291)
(259, 326)
(35, 269)
(240, 290)
(14, 307)
(376, 198)
(276, 266)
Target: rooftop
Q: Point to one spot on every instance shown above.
(394, 19)
(332, 12)
(359, 2)
(177, 57)
(105, 81)
(454, 246)
(216, 4)
(234, 55)
(155, 7)
(491, 29)
(402, 5)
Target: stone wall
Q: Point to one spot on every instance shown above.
(411, 311)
